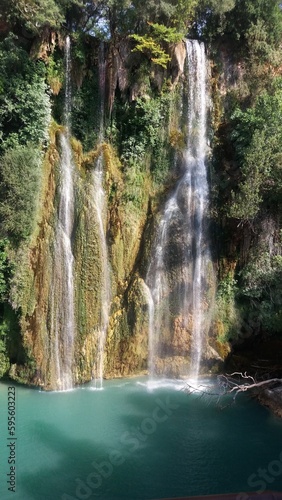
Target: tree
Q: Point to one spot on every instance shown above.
(257, 138)
(232, 384)
(233, 20)
(25, 108)
(32, 14)
(35, 15)
(152, 44)
(184, 15)
(247, 13)
(19, 182)
(111, 18)
(210, 19)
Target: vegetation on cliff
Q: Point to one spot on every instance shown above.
(247, 166)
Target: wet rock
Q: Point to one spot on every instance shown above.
(272, 399)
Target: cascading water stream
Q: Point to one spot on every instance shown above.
(197, 140)
(62, 289)
(68, 98)
(100, 207)
(158, 289)
(151, 316)
(178, 267)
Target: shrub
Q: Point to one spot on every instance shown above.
(20, 170)
(25, 109)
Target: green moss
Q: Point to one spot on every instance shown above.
(127, 340)
(55, 73)
(227, 321)
(87, 265)
(136, 166)
(86, 108)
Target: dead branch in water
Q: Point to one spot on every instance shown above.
(233, 383)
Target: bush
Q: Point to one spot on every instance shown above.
(5, 270)
(261, 290)
(145, 131)
(257, 139)
(19, 183)
(227, 317)
(4, 359)
(86, 111)
(25, 109)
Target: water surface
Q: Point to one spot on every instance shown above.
(134, 442)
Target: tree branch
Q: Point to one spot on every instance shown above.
(233, 383)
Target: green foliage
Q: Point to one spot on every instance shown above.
(24, 103)
(10, 338)
(249, 161)
(5, 324)
(257, 138)
(134, 195)
(264, 58)
(141, 136)
(184, 14)
(86, 111)
(152, 44)
(110, 18)
(145, 133)
(227, 312)
(78, 47)
(149, 46)
(247, 13)
(34, 15)
(210, 19)
(227, 288)
(55, 74)
(239, 21)
(20, 171)
(257, 41)
(4, 359)
(165, 34)
(5, 270)
(261, 290)
(38, 13)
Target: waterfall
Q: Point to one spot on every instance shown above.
(67, 106)
(100, 209)
(196, 152)
(62, 323)
(158, 286)
(177, 272)
(105, 286)
(151, 326)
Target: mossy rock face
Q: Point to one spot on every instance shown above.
(127, 342)
(33, 291)
(88, 281)
(172, 366)
(31, 283)
(134, 193)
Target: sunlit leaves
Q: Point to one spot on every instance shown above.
(257, 138)
(152, 44)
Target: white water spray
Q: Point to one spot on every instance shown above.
(182, 226)
(197, 140)
(151, 326)
(100, 207)
(62, 303)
